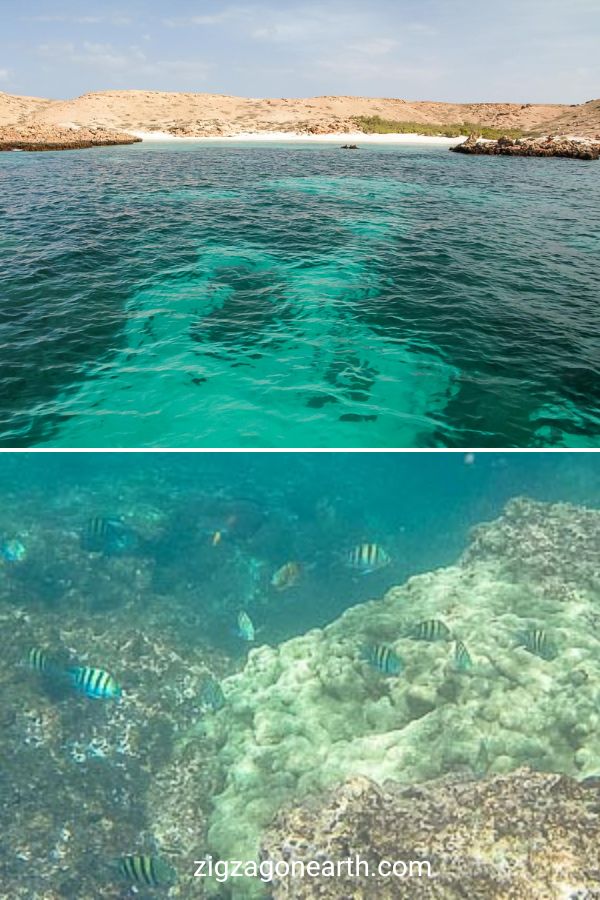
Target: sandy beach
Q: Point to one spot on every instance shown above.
(290, 137)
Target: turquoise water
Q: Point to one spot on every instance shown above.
(303, 506)
(152, 604)
(297, 296)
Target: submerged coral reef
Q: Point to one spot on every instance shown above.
(85, 781)
(470, 673)
(309, 713)
(523, 835)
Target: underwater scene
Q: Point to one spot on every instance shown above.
(282, 659)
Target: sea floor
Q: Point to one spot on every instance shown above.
(223, 741)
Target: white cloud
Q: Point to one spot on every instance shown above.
(367, 71)
(230, 14)
(352, 27)
(335, 23)
(283, 31)
(129, 62)
(375, 47)
(210, 20)
(83, 20)
(105, 56)
(4, 73)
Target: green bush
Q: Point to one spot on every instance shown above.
(377, 125)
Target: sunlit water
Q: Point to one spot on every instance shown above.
(222, 295)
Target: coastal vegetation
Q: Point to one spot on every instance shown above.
(378, 125)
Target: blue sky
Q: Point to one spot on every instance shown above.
(519, 50)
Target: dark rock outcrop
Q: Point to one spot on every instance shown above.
(40, 137)
(548, 146)
(509, 837)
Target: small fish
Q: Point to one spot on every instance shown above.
(430, 630)
(286, 577)
(211, 694)
(96, 683)
(148, 870)
(462, 657)
(366, 558)
(217, 538)
(537, 642)
(383, 658)
(110, 536)
(47, 667)
(39, 661)
(245, 626)
(13, 551)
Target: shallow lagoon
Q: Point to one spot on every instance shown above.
(274, 295)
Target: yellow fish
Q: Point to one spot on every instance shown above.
(286, 577)
(217, 538)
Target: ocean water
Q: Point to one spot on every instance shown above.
(154, 602)
(298, 296)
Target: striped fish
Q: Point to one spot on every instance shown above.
(365, 558)
(98, 531)
(537, 642)
(430, 630)
(148, 870)
(462, 657)
(110, 536)
(96, 683)
(49, 668)
(383, 658)
(39, 660)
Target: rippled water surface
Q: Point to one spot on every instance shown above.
(223, 295)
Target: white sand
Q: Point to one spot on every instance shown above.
(265, 136)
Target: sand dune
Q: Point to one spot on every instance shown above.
(217, 115)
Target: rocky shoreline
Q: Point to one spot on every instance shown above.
(39, 138)
(546, 146)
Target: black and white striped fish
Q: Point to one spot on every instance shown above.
(383, 658)
(366, 558)
(537, 642)
(430, 630)
(93, 682)
(151, 871)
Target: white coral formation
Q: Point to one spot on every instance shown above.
(310, 713)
